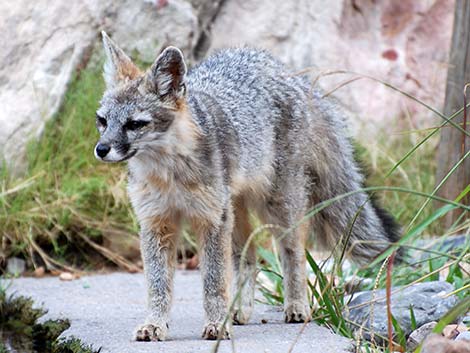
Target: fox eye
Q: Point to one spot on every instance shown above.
(135, 124)
(102, 121)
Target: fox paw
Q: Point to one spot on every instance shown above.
(297, 312)
(214, 331)
(150, 332)
(241, 315)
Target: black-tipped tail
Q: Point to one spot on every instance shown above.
(390, 226)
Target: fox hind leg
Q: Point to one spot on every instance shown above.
(296, 305)
(286, 209)
(244, 261)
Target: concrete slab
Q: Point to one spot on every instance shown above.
(105, 309)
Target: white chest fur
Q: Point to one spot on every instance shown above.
(155, 192)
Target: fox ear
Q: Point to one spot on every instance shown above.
(166, 76)
(118, 67)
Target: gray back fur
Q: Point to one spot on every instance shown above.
(258, 127)
(272, 125)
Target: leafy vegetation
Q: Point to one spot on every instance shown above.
(20, 330)
(67, 205)
(409, 186)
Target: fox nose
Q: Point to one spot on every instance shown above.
(102, 150)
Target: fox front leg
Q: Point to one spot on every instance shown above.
(216, 268)
(159, 256)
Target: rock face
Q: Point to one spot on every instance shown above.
(44, 41)
(405, 43)
(427, 300)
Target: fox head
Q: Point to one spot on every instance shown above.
(138, 109)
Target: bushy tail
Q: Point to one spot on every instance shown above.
(391, 227)
(356, 223)
(364, 231)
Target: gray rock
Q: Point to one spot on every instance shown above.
(418, 335)
(442, 244)
(404, 43)
(44, 41)
(104, 310)
(426, 299)
(143, 30)
(16, 266)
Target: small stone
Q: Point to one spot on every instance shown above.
(463, 336)
(66, 276)
(134, 269)
(426, 299)
(452, 331)
(439, 344)
(418, 335)
(264, 321)
(16, 266)
(39, 272)
(55, 272)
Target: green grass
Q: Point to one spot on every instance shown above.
(403, 168)
(66, 196)
(417, 173)
(329, 287)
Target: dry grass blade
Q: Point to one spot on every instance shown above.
(345, 83)
(437, 188)
(22, 185)
(464, 117)
(387, 84)
(113, 257)
(389, 301)
(50, 262)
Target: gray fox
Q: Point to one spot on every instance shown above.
(237, 132)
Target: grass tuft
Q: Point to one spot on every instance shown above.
(21, 332)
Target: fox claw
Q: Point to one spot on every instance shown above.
(296, 312)
(150, 332)
(215, 331)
